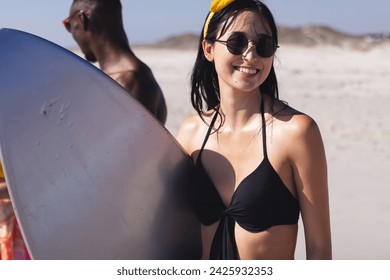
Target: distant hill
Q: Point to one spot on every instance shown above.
(185, 41)
(308, 36)
(311, 36)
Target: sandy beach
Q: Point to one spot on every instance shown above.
(347, 92)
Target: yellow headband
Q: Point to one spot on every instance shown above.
(216, 6)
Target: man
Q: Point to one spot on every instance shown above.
(97, 27)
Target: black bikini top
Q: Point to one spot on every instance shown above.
(260, 201)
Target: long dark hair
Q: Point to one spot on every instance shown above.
(204, 78)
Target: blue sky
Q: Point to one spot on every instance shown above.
(153, 20)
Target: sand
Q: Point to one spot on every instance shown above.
(347, 92)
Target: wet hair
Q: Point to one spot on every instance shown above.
(204, 78)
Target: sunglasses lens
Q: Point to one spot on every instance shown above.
(67, 26)
(237, 44)
(266, 46)
(67, 21)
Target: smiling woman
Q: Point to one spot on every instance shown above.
(250, 183)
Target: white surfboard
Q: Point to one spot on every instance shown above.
(91, 174)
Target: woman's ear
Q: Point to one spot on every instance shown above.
(84, 20)
(208, 50)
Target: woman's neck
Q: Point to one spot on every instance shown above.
(240, 110)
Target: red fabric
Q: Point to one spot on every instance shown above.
(12, 246)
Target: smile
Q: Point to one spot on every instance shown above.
(246, 70)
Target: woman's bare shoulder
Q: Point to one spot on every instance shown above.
(299, 128)
(292, 120)
(192, 131)
(190, 123)
(302, 125)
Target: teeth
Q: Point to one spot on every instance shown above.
(250, 71)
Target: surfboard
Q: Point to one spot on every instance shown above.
(91, 173)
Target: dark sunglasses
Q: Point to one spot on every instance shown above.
(66, 22)
(238, 43)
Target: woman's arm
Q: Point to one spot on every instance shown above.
(309, 166)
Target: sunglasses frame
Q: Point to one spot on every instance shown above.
(66, 22)
(259, 50)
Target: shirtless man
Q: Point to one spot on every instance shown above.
(97, 27)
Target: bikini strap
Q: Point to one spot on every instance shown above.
(264, 128)
(208, 133)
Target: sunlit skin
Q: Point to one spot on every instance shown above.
(294, 147)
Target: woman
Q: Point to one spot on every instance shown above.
(259, 163)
